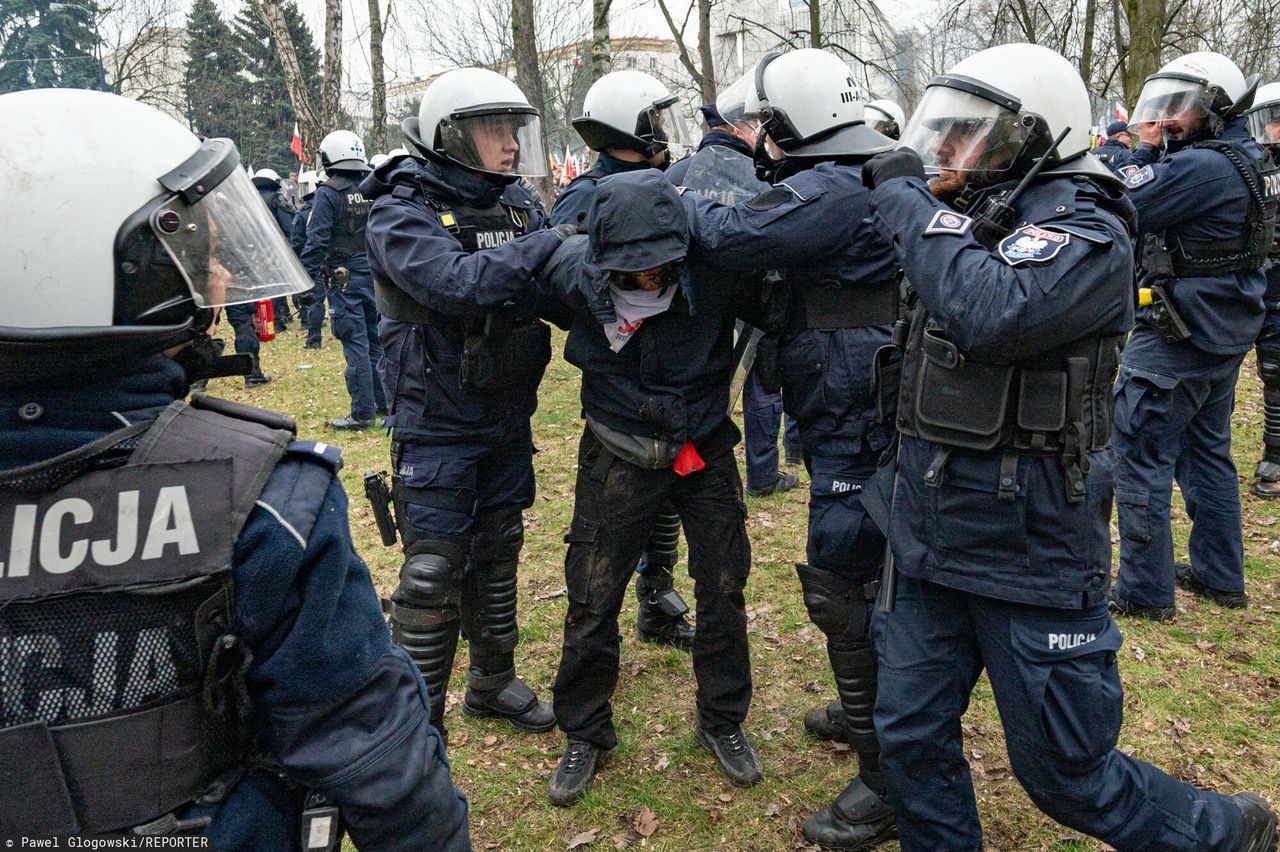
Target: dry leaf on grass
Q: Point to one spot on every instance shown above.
(646, 822)
(584, 838)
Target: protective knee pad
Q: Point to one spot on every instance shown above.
(663, 547)
(853, 661)
(498, 536)
(831, 600)
(489, 593)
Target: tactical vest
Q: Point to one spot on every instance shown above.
(122, 692)
(1165, 254)
(1057, 404)
(348, 233)
(502, 347)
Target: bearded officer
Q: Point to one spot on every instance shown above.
(198, 649)
(1005, 393)
(454, 242)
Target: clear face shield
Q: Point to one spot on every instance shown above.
(955, 130)
(665, 125)
(732, 106)
(223, 240)
(499, 141)
(1264, 124)
(1172, 99)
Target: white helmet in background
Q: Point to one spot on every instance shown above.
(397, 152)
(810, 106)
(632, 111)
(1264, 115)
(173, 228)
(267, 177)
(377, 160)
(886, 117)
(308, 182)
(480, 120)
(342, 149)
(998, 111)
(1200, 84)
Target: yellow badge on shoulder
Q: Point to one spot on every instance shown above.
(1030, 244)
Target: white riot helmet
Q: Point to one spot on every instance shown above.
(481, 121)
(810, 106)
(377, 160)
(1204, 85)
(633, 111)
(996, 112)
(269, 176)
(342, 149)
(308, 181)
(1264, 115)
(173, 228)
(886, 117)
(397, 152)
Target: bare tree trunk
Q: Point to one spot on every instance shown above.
(1086, 51)
(331, 87)
(529, 80)
(601, 57)
(708, 82)
(309, 126)
(377, 140)
(1146, 36)
(815, 24)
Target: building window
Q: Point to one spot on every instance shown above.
(653, 63)
(631, 62)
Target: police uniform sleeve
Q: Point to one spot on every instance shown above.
(1175, 189)
(319, 235)
(575, 200)
(408, 246)
(342, 709)
(1023, 298)
(298, 235)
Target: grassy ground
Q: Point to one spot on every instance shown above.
(1202, 695)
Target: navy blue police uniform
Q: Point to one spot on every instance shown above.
(336, 239)
(838, 296)
(668, 386)
(1268, 349)
(254, 688)
(1174, 398)
(571, 206)
(1005, 393)
(1113, 154)
(312, 307)
(453, 257)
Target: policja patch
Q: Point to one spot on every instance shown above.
(1138, 177)
(1031, 244)
(948, 222)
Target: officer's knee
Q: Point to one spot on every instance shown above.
(431, 574)
(499, 536)
(1269, 368)
(834, 604)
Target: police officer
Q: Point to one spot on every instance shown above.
(454, 242)
(336, 242)
(1115, 152)
(634, 122)
(1206, 207)
(201, 651)
(1264, 125)
(312, 304)
(836, 300)
(885, 117)
(1005, 392)
(654, 341)
(269, 188)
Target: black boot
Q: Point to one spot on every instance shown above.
(1268, 473)
(503, 695)
(860, 817)
(827, 722)
(1259, 833)
(660, 611)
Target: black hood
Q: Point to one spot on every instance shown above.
(636, 222)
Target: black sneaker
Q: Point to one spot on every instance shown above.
(827, 722)
(351, 424)
(1188, 581)
(253, 380)
(575, 772)
(1120, 606)
(736, 756)
(1259, 833)
(859, 818)
(784, 482)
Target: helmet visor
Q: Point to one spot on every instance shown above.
(1170, 98)
(228, 246)
(881, 122)
(732, 103)
(665, 125)
(960, 131)
(1264, 124)
(506, 142)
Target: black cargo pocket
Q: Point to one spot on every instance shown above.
(583, 539)
(803, 362)
(1142, 401)
(1071, 683)
(1131, 508)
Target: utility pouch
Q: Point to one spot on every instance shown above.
(670, 604)
(886, 380)
(1168, 322)
(504, 354)
(1042, 400)
(959, 402)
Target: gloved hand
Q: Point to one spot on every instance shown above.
(566, 230)
(900, 162)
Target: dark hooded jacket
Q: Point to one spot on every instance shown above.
(572, 205)
(670, 382)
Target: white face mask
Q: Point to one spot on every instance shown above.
(633, 307)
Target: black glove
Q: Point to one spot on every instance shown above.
(566, 230)
(900, 162)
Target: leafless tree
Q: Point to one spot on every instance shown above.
(144, 51)
(703, 70)
(311, 126)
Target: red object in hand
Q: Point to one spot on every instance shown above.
(264, 320)
(688, 460)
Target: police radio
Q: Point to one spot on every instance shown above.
(996, 218)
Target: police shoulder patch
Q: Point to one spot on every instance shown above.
(773, 197)
(948, 222)
(1030, 244)
(1135, 177)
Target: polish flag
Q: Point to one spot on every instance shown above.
(1121, 113)
(295, 145)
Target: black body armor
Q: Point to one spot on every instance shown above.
(122, 692)
(505, 346)
(348, 236)
(1167, 255)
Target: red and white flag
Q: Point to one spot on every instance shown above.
(295, 145)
